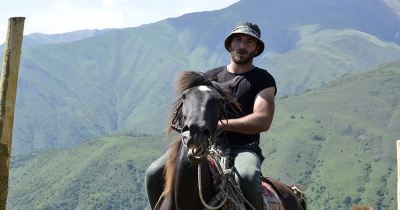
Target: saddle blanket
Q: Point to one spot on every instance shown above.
(271, 199)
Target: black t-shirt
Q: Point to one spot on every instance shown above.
(245, 91)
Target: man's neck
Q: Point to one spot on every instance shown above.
(239, 68)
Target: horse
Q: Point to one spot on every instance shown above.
(188, 176)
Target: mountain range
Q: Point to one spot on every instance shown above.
(36, 39)
(121, 81)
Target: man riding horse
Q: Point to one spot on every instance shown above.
(255, 90)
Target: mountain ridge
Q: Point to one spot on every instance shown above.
(36, 39)
(116, 82)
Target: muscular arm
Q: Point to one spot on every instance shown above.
(261, 118)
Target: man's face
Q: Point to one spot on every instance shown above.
(243, 48)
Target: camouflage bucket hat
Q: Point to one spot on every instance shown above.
(249, 29)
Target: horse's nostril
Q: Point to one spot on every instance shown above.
(207, 133)
(185, 128)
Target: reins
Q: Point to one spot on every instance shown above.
(229, 190)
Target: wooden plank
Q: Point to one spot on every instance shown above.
(398, 174)
(8, 94)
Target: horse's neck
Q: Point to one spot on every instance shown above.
(185, 191)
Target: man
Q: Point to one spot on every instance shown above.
(255, 90)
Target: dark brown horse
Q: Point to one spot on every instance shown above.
(195, 115)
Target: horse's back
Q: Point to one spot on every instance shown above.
(289, 199)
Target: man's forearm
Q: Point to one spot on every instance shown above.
(250, 124)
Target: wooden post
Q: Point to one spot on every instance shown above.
(398, 174)
(8, 93)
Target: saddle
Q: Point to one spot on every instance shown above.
(272, 190)
(290, 196)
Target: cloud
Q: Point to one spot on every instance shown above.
(3, 34)
(61, 16)
(88, 19)
(107, 3)
(188, 10)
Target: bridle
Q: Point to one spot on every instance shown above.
(222, 116)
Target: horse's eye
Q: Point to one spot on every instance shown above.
(183, 96)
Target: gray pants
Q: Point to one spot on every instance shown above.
(247, 175)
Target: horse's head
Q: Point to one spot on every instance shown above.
(201, 110)
(197, 112)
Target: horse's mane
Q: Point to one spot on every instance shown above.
(170, 165)
(184, 81)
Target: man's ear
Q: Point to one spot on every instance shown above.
(258, 47)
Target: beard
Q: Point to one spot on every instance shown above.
(244, 58)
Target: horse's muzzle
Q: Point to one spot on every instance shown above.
(195, 138)
(198, 156)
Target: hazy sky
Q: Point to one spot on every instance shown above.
(60, 16)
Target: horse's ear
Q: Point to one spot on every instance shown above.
(231, 82)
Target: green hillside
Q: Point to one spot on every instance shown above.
(88, 88)
(122, 81)
(71, 92)
(337, 140)
(101, 173)
(320, 57)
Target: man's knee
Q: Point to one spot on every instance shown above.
(249, 179)
(153, 169)
(154, 174)
(154, 180)
(248, 174)
(149, 175)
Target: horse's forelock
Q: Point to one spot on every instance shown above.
(189, 79)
